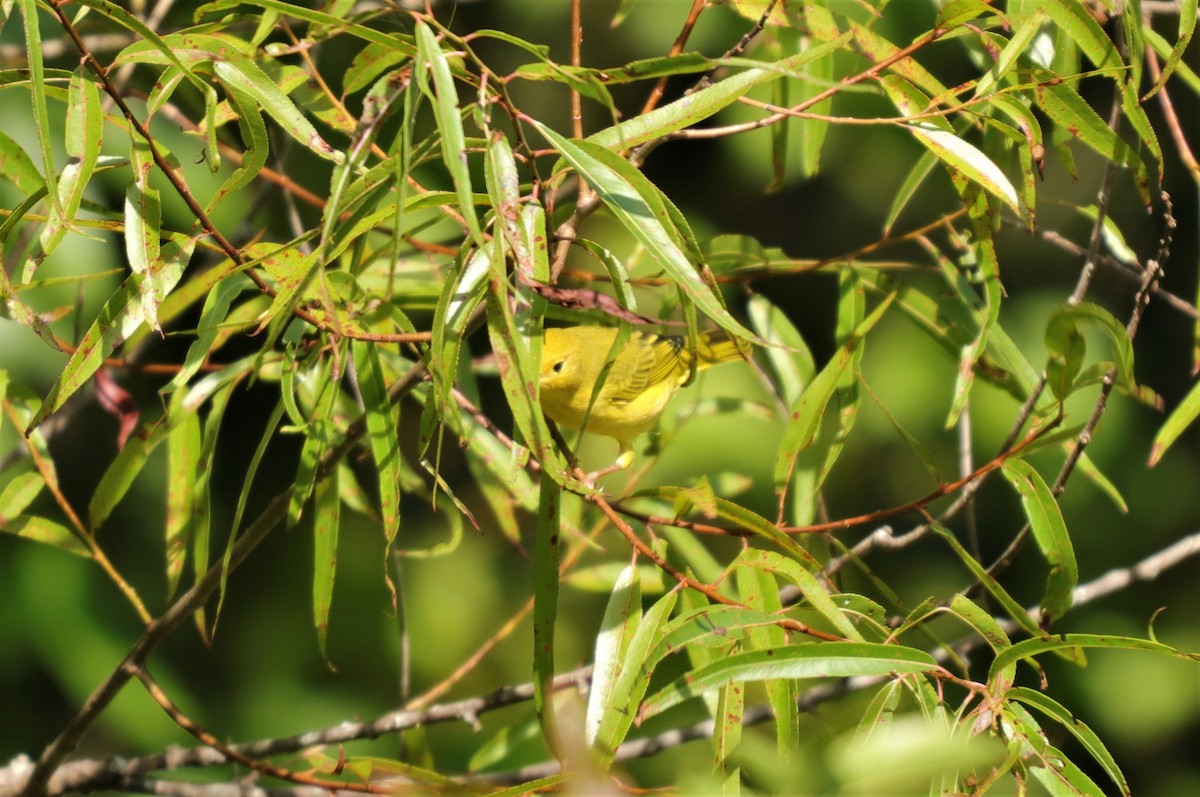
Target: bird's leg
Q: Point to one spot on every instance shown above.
(624, 460)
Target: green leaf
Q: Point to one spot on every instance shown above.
(1011, 607)
(1082, 733)
(183, 467)
(245, 76)
(1071, 114)
(1050, 531)
(1064, 343)
(546, 551)
(758, 589)
(116, 320)
(637, 204)
(143, 228)
(17, 167)
(1173, 61)
(1004, 665)
(814, 660)
(41, 116)
(1074, 19)
(331, 21)
(121, 472)
(696, 107)
(319, 434)
(938, 137)
(622, 615)
(383, 419)
(449, 121)
(811, 587)
(44, 530)
(1179, 420)
(805, 417)
(981, 620)
(326, 520)
(19, 493)
(633, 678)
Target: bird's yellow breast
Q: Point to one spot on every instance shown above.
(640, 379)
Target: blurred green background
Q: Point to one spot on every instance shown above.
(63, 626)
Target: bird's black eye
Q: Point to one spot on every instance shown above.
(558, 366)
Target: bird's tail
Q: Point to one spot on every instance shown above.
(717, 347)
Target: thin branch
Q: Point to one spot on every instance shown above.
(183, 608)
(128, 774)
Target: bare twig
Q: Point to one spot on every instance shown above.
(158, 630)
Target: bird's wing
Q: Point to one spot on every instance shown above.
(646, 361)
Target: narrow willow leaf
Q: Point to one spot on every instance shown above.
(633, 679)
(742, 518)
(247, 77)
(1075, 20)
(1174, 60)
(1061, 777)
(967, 159)
(1138, 119)
(805, 418)
(636, 204)
(268, 434)
(981, 620)
(112, 325)
(449, 122)
(368, 64)
(786, 350)
(504, 188)
(143, 229)
(19, 493)
(212, 319)
(318, 436)
(1063, 340)
(183, 464)
(326, 519)
(1072, 114)
(815, 660)
(1179, 420)
(83, 141)
(18, 167)
(1050, 531)
(166, 47)
(1082, 733)
(697, 107)
(517, 354)
(41, 115)
(621, 618)
(331, 21)
(121, 472)
(547, 545)
(254, 136)
(759, 590)
(1010, 605)
(44, 530)
(382, 418)
(877, 48)
(463, 291)
(727, 735)
(813, 132)
(815, 592)
(1004, 665)
(293, 272)
(959, 12)
(685, 63)
(1031, 150)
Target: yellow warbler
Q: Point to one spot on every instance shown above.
(644, 374)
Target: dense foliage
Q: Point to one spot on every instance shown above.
(274, 286)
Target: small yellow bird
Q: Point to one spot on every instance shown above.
(643, 376)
